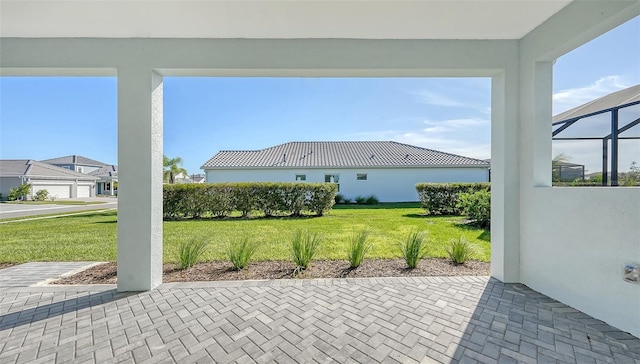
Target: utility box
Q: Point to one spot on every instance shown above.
(631, 273)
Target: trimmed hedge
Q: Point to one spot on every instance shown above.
(442, 198)
(268, 198)
(477, 206)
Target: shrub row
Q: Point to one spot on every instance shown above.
(477, 206)
(443, 198)
(269, 198)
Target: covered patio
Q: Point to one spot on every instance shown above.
(381, 320)
(549, 239)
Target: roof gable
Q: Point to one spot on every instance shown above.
(31, 168)
(75, 159)
(349, 154)
(106, 171)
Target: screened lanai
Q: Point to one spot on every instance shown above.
(612, 119)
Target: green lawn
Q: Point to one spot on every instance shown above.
(41, 216)
(93, 236)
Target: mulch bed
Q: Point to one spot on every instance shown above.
(223, 271)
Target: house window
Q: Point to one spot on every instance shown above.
(361, 177)
(301, 177)
(332, 178)
(66, 167)
(79, 169)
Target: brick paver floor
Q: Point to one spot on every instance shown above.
(387, 320)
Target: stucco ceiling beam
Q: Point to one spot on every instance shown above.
(575, 25)
(209, 57)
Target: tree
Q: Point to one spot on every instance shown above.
(632, 177)
(172, 168)
(19, 192)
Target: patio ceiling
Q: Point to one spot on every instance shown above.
(423, 19)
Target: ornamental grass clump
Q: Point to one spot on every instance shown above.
(303, 248)
(240, 252)
(414, 248)
(191, 251)
(358, 247)
(459, 251)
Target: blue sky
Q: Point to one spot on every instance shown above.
(43, 118)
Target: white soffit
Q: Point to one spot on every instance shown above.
(424, 19)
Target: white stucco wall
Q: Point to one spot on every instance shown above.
(7, 183)
(573, 241)
(573, 244)
(387, 184)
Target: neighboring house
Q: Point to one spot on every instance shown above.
(107, 183)
(568, 172)
(59, 182)
(182, 178)
(386, 169)
(198, 178)
(185, 178)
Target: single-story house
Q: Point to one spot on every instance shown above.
(107, 174)
(107, 183)
(198, 178)
(567, 172)
(387, 169)
(59, 182)
(189, 178)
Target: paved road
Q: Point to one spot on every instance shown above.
(8, 210)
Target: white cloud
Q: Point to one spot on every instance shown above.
(437, 99)
(444, 135)
(457, 123)
(437, 129)
(567, 99)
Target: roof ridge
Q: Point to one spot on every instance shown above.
(75, 160)
(340, 154)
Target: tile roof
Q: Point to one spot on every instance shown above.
(31, 168)
(618, 98)
(106, 171)
(340, 155)
(75, 159)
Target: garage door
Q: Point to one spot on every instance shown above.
(84, 191)
(60, 191)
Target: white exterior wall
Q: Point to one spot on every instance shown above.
(7, 183)
(387, 184)
(573, 241)
(59, 188)
(86, 169)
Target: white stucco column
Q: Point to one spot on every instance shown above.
(535, 129)
(140, 179)
(505, 178)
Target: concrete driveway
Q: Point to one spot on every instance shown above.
(9, 210)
